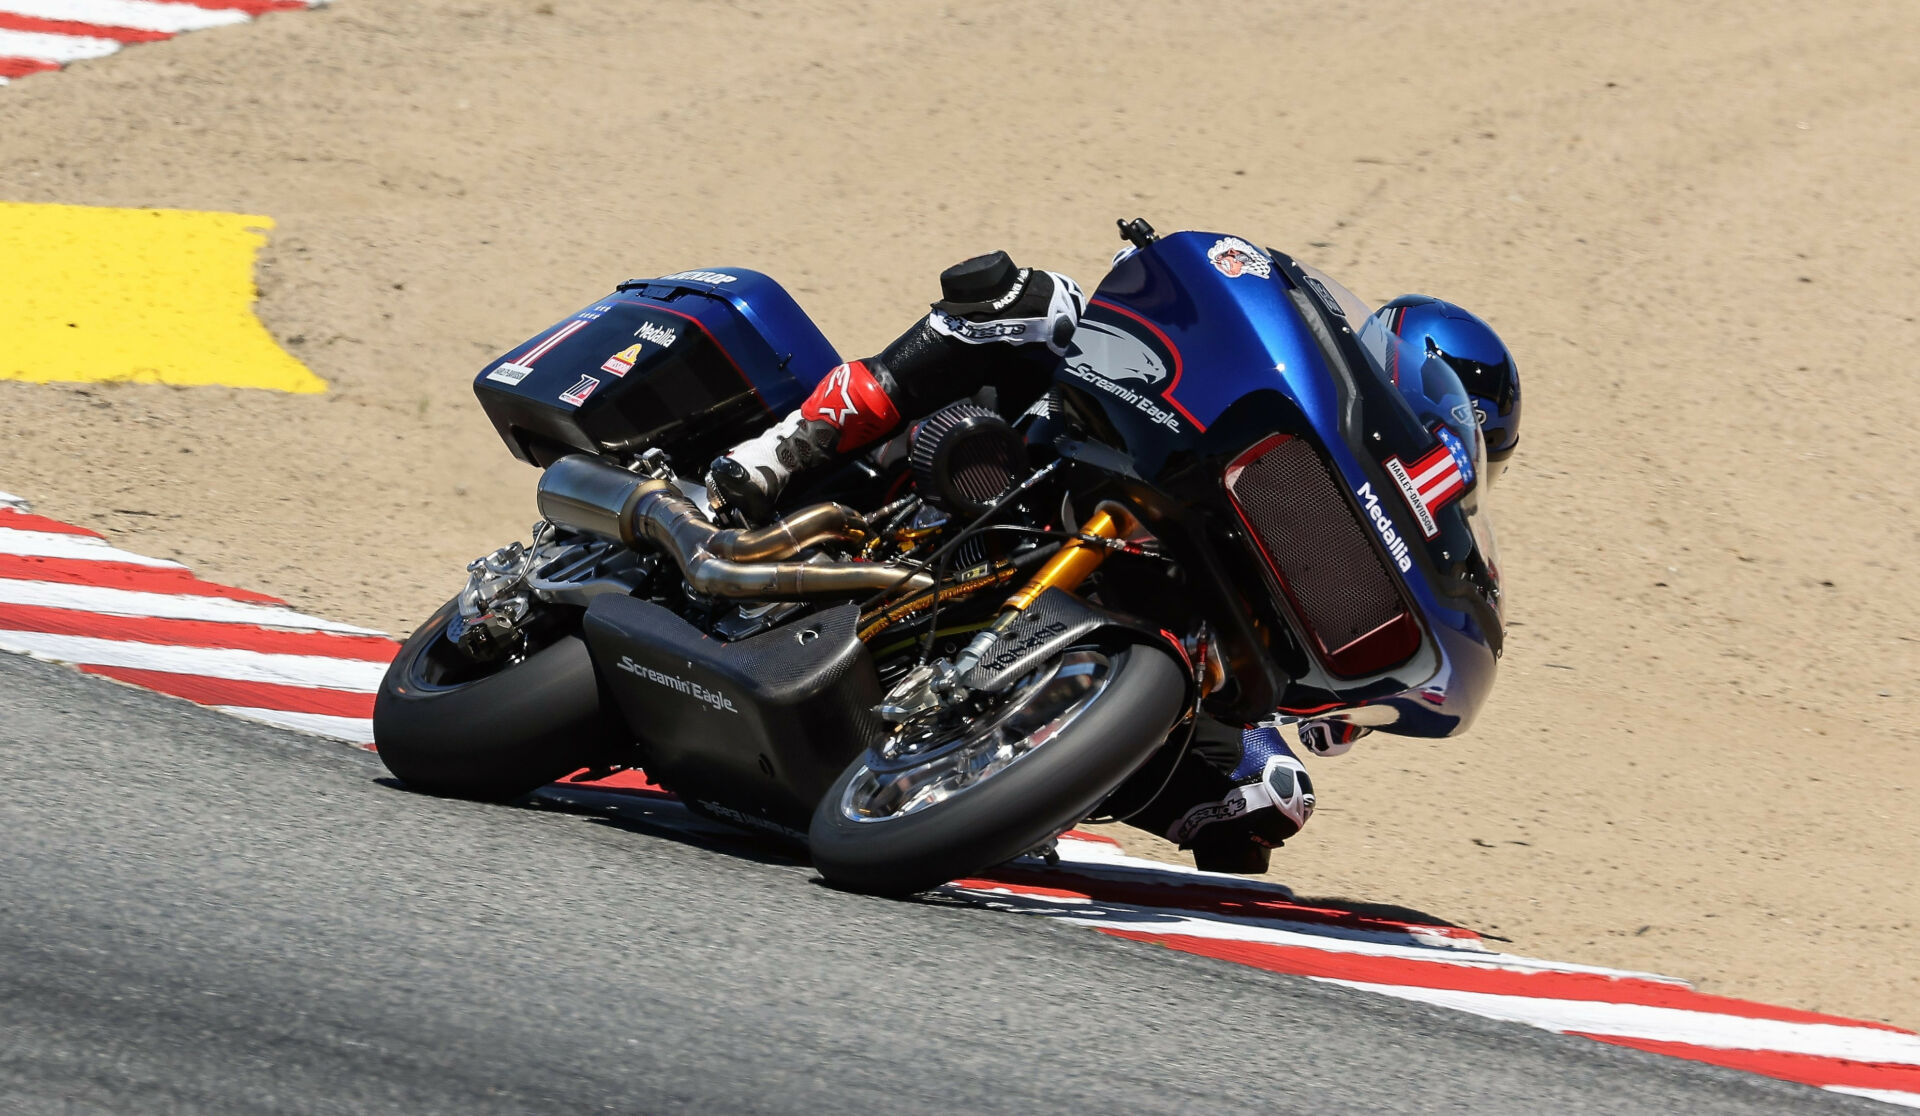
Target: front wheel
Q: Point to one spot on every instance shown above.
(938, 802)
(447, 725)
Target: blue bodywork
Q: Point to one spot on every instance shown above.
(769, 336)
(691, 363)
(1192, 360)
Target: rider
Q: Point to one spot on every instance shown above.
(996, 325)
(1239, 791)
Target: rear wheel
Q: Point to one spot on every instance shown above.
(936, 802)
(448, 725)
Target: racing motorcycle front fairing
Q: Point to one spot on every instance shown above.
(1329, 527)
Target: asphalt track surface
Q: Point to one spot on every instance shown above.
(198, 914)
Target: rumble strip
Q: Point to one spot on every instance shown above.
(41, 35)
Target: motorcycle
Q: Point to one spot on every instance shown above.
(953, 649)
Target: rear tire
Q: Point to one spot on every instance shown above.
(496, 736)
(1012, 810)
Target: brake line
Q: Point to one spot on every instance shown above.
(907, 609)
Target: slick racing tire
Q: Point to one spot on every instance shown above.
(447, 726)
(891, 826)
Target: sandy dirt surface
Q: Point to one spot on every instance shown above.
(1695, 224)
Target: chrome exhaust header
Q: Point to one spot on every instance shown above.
(588, 494)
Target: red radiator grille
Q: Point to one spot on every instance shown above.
(1311, 539)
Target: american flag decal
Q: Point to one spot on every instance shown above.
(1429, 484)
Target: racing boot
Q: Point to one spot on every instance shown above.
(849, 408)
(1235, 797)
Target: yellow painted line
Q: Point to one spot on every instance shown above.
(150, 296)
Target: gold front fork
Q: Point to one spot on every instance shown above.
(929, 686)
(1075, 562)
(1077, 559)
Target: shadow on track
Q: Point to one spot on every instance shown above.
(1137, 893)
(648, 815)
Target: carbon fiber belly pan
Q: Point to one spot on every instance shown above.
(753, 731)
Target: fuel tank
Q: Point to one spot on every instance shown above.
(690, 363)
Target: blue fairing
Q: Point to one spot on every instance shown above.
(1195, 357)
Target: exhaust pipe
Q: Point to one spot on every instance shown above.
(588, 494)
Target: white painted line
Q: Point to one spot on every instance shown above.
(143, 15)
(1091, 852)
(205, 662)
(359, 730)
(54, 48)
(1890, 1096)
(54, 544)
(1660, 1024)
(9, 500)
(1327, 939)
(167, 606)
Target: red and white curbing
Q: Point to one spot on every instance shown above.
(1225, 918)
(68, 595)
(41, 35)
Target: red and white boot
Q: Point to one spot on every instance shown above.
(850, 408)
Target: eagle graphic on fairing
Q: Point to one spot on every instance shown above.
(1115, 353)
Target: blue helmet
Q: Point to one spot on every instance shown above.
(1477, 356)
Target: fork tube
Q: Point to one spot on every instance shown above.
(1073, 564)
(1064, 571)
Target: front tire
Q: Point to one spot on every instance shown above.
(877, 831)
(445, 725)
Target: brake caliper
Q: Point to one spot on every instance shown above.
(496, 601)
